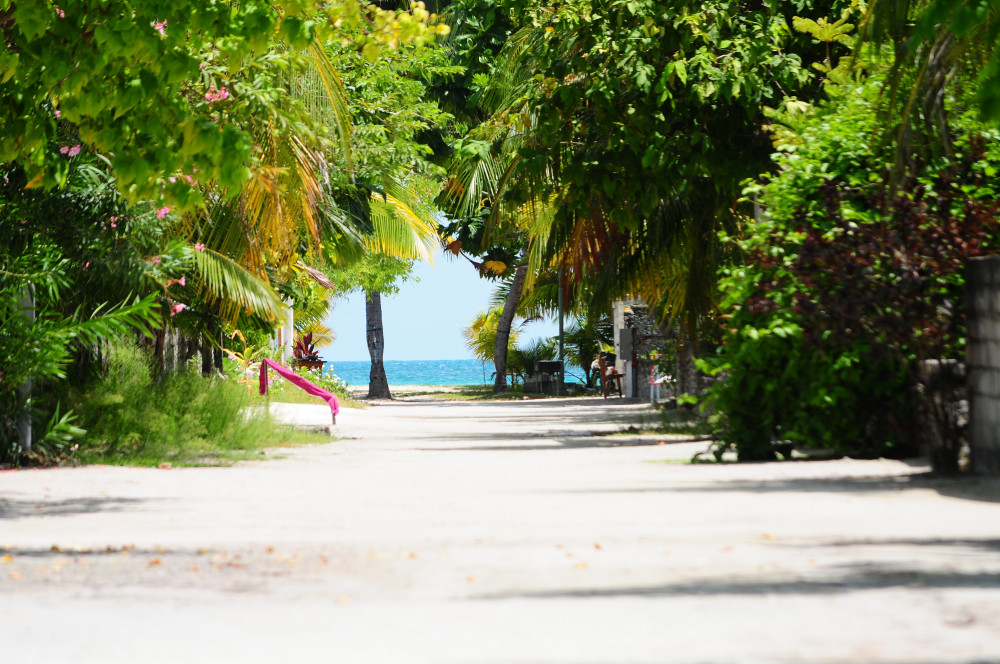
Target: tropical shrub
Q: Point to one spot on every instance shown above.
(848, 285)
(131, 417)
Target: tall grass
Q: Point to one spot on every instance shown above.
(131, 418)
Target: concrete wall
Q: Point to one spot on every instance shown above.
(983, 363)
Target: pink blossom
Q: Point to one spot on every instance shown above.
(60, 13)
(172, 178)
(177, 308)
(64, 149)
(162, 212)
(58, 113)
(114, 225)
(161, 27)
(75, 150)
(217, 95)
(86, 265)
(156, 260)
(199, 246)
(182, 281)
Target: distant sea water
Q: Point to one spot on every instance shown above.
(425, 372)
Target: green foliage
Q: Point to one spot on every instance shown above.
(480, 336)
(847, 286)
(131, 418)
(74, 256)
(376, 272)
(521, 359)
(140, 81)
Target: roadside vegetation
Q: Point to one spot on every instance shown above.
(791, 189)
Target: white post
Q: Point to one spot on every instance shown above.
(288, 335)
(24, 432)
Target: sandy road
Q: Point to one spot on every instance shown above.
(498, 533)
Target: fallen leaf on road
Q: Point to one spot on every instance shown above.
(343, 599)
(195, 568)
(597, 546)
(6, 559)
(166, 465)
(54, 548)
(154, 562)
(14, 575)
(202, 552)
(727, 548)
(470, 579)
(322, 560)
(769, 536)
(580, 566)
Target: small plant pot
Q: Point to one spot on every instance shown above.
(309, 364)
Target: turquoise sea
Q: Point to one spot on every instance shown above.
(425, 372)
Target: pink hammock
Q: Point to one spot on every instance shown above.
(299, 382)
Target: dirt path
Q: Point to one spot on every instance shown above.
(499, 533)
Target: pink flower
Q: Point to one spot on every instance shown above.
(199, 246)
(161, 27)
(58, 113)
(114, 225)
(182, 281)
(217, 95)
(172, 179)
(162, 212)
(75, 150)
(86, 265)
(177, 308)
(60, 13)
(156, 260)
(64, 149)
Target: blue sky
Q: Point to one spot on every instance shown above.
(424, 320)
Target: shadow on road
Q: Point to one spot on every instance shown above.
(837, 580)
(561, 441)
(966, 488)
(21, 509)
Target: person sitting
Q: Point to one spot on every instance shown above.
(611, 378)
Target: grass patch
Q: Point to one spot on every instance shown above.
(131, 418)
(285, 392)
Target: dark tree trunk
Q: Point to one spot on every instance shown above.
(503, 328)
(217, 355)
(687, 374)
(206, 357)
(378, 385)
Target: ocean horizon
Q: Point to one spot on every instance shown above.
(425, 372)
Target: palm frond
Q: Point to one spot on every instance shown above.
(400, 231)
(235, 288)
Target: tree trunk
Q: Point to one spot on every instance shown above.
(687, 374)
(503, 329)
(378, 385)
(206, 357)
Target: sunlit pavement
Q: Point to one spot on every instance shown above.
(498, 533)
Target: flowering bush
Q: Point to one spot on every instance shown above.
(328, 381)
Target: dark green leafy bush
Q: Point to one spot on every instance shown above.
(847, 286)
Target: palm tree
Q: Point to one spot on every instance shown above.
(932, 42)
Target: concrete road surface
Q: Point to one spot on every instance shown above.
(499, 533)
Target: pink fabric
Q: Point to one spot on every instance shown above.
(298, 381)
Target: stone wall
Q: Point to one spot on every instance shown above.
(983, 363)
(636, 336)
